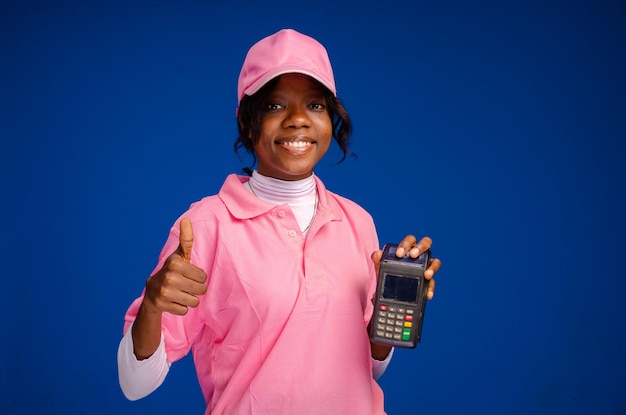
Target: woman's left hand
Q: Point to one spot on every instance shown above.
(414, 248)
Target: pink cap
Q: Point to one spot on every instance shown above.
(286, 51)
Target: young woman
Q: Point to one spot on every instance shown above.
(270, 282)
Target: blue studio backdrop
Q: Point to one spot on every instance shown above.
(497, 128)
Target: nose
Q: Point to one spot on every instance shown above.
(296, 116)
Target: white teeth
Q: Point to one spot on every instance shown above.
(297, 144)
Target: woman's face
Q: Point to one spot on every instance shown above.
(296, 129)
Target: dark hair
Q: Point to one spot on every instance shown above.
(250, 114)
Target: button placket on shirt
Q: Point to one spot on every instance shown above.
(285, 222)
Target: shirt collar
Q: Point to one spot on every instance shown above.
(242, 204)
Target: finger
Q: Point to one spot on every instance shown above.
(186, 239)
(431, 289)
(405, 245)
(432, 269)
(186, 300)
(173, 307)
(185, 269)
(376, 257)
(176, 297)
(168, 300)
(420, 247)
(193, 283)
(170, 307)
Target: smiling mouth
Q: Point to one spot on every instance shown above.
(296, 147)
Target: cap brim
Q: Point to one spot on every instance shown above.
(268, 76)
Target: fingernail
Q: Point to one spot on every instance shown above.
(400, 252)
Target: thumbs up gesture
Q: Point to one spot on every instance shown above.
(177, 285)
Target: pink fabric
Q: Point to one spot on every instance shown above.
(286, 51)
(282, 328)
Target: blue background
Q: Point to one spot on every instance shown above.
(497, 128)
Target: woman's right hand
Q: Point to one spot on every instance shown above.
(173, 289)
(177, 285)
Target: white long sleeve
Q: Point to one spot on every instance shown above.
(379, 366)
(139, 378)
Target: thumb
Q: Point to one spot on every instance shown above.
(186, 239)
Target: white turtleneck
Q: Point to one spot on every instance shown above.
(300, 195)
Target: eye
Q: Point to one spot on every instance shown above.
(273, 106)
(319, 106)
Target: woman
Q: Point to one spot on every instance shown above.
(270, 282)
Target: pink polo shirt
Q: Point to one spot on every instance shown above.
(282, 327)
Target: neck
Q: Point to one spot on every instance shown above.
(300, 195)
(278, 191)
